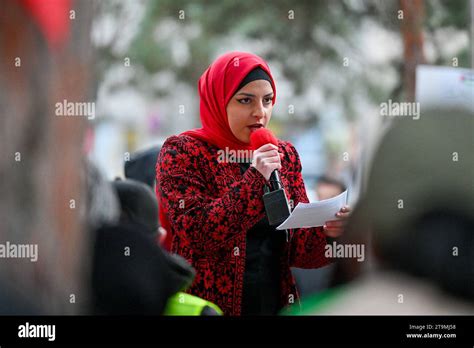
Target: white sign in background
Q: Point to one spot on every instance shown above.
(446, 87)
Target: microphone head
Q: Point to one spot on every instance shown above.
(261, 137)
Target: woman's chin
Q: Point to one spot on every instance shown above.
(245, 138)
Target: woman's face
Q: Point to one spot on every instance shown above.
(250, 109)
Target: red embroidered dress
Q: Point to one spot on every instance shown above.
(211, 205)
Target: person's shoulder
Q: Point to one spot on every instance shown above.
(287, 147)
(190, 151)
(181, 139)
(185, 155)
(185, 143)
(290, 154)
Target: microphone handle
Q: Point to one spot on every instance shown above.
(276, 184)
(275, 180)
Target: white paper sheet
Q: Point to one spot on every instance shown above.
(442, 86)
(314, 214)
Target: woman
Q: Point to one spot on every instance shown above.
(215, 207)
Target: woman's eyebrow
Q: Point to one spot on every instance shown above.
(252, 95)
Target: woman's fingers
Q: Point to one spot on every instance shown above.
(344, 212)
(336, 223)
(345, 209)
(332, 232)
(267, 147)
(270, 153)
(273, 166)
(266, 159)
(335, 228)
(274, 159)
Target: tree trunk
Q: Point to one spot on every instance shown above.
(412, 32)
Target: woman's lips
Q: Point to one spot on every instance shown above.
(253, 128)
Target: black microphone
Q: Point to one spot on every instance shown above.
(274, 199)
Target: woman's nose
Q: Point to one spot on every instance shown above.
(259, 111)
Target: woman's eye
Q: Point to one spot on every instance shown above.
(267, 100)
(244, 100)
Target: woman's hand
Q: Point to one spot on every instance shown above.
(335, 228)
(266, 159)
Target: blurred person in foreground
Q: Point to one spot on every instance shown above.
(130, 274)
(141, 167)
(215, 206)
(328, 187)
(45, 59)
(417, 219)
(139, 210)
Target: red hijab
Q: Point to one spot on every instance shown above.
(216, 87)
